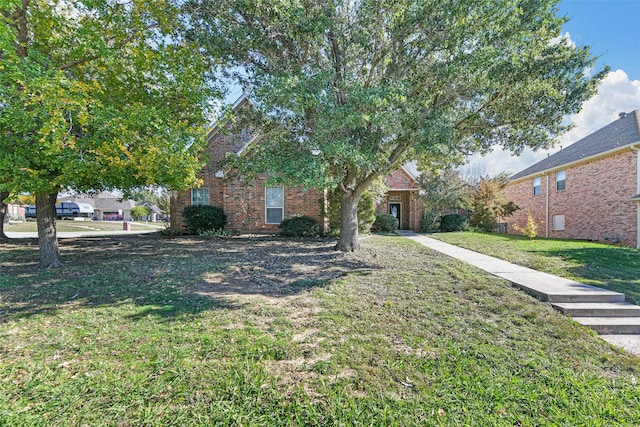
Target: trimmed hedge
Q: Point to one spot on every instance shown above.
(385, 222)
(203, 218)
(300, 226)
(454, 222)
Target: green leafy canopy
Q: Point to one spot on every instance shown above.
(347, 91)
(100, 94)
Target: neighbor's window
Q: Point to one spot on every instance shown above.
(558, 222)
(536, 186)
(561, 182)
(200, 196)
(274, 205)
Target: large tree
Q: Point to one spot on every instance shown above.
(349, 90)
(98, 94)
(3, 213)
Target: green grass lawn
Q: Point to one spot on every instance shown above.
(154, 331)
(81, 226)
(611, 267)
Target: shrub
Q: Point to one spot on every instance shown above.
(203, 218)
(385, 222)
(300, 226)
(531, 227)
(454, 222)
(428, 224)
(139, 212)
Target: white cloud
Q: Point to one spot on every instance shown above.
(563, 37)
(616, 94)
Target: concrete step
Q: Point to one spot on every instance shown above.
(611, 325)
(630, 343)
(558, 290)
(616, 309)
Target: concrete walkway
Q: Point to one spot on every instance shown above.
(604, 311)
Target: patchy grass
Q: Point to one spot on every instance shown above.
(611, 267)
(81, 226)
(194, 331)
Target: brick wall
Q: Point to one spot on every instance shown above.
(595, 202)
(399, 180)
(245, 206)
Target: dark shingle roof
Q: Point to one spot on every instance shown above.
(621, 133)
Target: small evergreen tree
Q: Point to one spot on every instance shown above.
(442, 191)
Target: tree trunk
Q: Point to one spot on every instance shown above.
(3, 213)
(47, 238)
(348, 241)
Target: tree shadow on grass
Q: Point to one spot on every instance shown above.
(612, 268)
(168, 277)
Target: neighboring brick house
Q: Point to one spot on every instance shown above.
(589, 190)
(258, 208)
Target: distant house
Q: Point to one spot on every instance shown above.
(106, 206)
(589, 190)
(259, 208)
(14, 211)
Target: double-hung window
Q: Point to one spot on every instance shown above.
(274, 205)
(561, 180)
(536, 186)
(200, 196)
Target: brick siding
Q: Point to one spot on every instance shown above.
(400, 180)
(595, 202)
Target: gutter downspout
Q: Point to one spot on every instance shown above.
(637, 150)
(546, 220)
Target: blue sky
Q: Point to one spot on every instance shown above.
(610, 27)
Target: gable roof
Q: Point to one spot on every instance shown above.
(615, 136)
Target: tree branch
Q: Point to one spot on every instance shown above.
(77, 62)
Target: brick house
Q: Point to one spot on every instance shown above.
(258, 208)
(589, 190)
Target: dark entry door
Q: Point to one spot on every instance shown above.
(395, 209)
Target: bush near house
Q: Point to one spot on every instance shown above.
(300, 226)
(385, 222)
(454, 222)
(203, 218)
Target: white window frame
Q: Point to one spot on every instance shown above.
(537, 180)
(558, 222)
(200, 200)
(271, 205)
(561, 174)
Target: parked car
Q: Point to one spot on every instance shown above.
(65, 210)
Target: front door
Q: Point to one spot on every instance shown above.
(395, 209)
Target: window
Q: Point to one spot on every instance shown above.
(200, 196)
(536, 186)
(274, 205)
(558, 222)
(561, 182)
